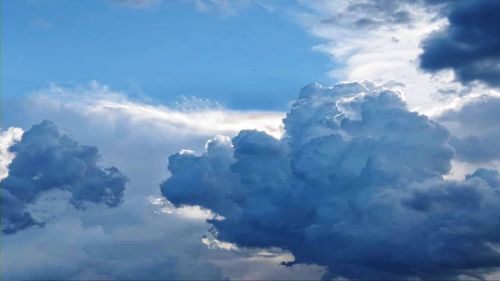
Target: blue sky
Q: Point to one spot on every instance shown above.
(388, 169)
(255, 59)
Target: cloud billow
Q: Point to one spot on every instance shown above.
(48, 160)
(476, 128)
(355, 184)
(470, 45)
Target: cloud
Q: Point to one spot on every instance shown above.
(133, 241)
(146, 132)
(46, 160)
(475, 124)
(7, 138)
(381, 41)
(356, 184)
(144, 237)
(469, 45)
(190, 115)
(54, 182)
(138, 4)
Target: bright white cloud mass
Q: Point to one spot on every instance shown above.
(390, 172)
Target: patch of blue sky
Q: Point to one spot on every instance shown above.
(256, 59)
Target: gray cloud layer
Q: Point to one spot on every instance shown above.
(355, 185)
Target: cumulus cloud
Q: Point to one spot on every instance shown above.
(156, 240)
(47, 159)
(469, 45)
(57, 184)
(475, 124)
(356, 184)
(158, 130)
(381, 41)
(7, 138)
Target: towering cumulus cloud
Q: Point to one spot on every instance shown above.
(48, 160)
(355, 184)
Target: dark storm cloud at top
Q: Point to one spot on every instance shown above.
(470, 45)
(356, 185)
(47, 159)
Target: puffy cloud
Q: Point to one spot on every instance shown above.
(56, 183)
(143, 238)
(47, 159)
(356, 184)
(469, 45)
(7, 138)
(157, 130)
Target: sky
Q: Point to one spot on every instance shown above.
(161, 51)
(250, 140)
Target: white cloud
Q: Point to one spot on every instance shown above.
(192, 115)
(7, 138)
(367, 42)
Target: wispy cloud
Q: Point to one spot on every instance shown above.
(138, 4)
(381, 41)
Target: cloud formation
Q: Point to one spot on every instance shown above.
(475, 125)
(57, 184)
(166, 243)
(469, 45)
(355, 184)
(380, 41)
(7, 138)
(46, 159)
(133, 241)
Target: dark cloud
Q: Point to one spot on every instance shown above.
(47, 159)
(356, 185)
(470, 45)
(476, 126)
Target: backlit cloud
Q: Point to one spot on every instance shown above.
(356, 184)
